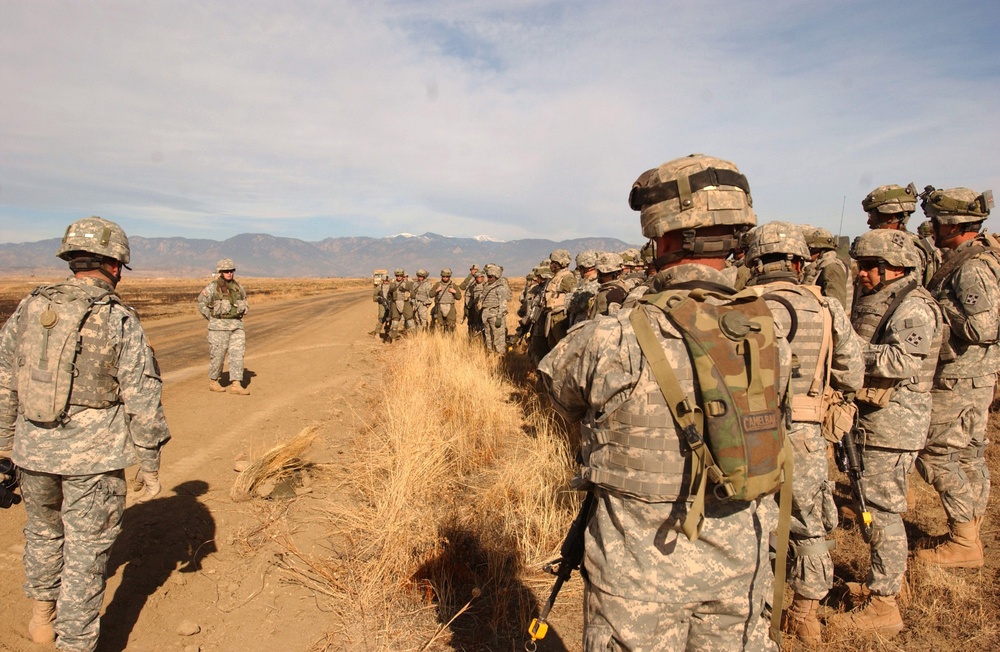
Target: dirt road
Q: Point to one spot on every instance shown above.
(192, 558)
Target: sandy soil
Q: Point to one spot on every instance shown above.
(192, 556)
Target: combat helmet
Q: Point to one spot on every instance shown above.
(926, 229)
(560, 257)
(691, 193)
(586, 258)
(631, 257)
(609, 262)
(493, 270)
(446, 272)
(399, 272)
(893, 247)
(818, 239)
(422, 272)
(956, 205)
(890, 203)
(225, 265)
(95, 235)
(777, 238)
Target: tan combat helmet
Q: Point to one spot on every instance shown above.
(586, 259)
(493, 270)
(446, 272)
(818, 238)
(560, 257)
(609, 262)
(893, 247)
(693, 193)
(225, 265)
(95, 235)
(421, 273)
(890, 203)
(956, 205)
(776, 247)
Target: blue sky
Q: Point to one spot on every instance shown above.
(513, 119)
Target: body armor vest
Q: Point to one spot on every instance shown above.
(608, 294)
(813, 271)
(492, 296)
(811, 344)
(555, 299)
(636, 449)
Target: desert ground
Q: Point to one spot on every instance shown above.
(196, 570)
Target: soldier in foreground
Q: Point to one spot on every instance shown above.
(72, 437)
(223, 303)
(828, 358)
(826, 269)
(967, 287)
(657, 576)
(900, 326)
(445, 294)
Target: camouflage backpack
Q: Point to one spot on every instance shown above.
(52, 334)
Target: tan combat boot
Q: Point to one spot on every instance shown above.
(237, 388)
(880, 615)
(43, 614)
(962, 550)
(214, 386)
(800, 620)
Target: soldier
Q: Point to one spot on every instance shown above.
(223, 303)
(445, 294)
(579, 300)
(493, 308)
(612, 290)
(550, 327)
(967, 287)
(826, 269)
(401, 313)
(648, 586)
(739, 260)
(473, 315)
(470, 279)
(75, 420)
(381, 297)
(900, 326)
(828, 357)
(422, 300)
(889, 207)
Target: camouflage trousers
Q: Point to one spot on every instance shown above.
(814, 514)
(219, 344)
(72, 523)
(495, 336)
(649, 588)
(886, 474)
(445, 316)
(952, 461)
(423, 316)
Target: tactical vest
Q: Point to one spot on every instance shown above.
(608, 294)
(226, 293)
(555, 299)
(422, 293)
(492, 296)
(811, 343)
(869, 311)
(65, 356)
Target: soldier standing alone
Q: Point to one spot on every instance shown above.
(73, 437)
(223, 303)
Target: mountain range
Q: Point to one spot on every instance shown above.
(258, 254)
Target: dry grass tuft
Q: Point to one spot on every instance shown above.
(280, 463)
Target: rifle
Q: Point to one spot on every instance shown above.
(850, 462)
(8, 482)
(570, 559)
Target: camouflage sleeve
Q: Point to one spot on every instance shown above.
(848, 370)
(140, 386)
(908, 338)
(458, 292)
(833, 281)
(972, 311)
(8, 385)
(242, 305)
(205, 301)
(568, 283)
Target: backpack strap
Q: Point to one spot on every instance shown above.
(781, 549)
(686, 415)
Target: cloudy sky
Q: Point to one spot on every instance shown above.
(512, 119)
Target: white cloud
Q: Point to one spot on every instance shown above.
(520, 119)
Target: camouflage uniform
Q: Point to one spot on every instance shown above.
(648, 586)
(401, 313)
(902, 357)
(381, 296)
(580, 300)
(493, 308)
(473, 313)
(814, 514)
(550, 328)
(72, 472)
(224, 304)
(423, 302)
(830, 273)
(445, 293)
(646, 581)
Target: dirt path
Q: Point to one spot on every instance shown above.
(193, 554)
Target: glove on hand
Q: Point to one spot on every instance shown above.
(498, 323)
(148, 482)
